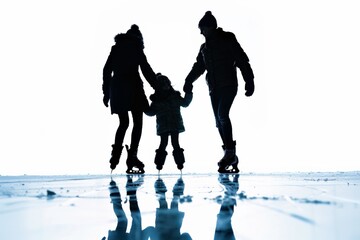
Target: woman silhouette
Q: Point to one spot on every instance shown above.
(123, 86)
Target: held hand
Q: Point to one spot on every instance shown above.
(188, 87)
(249, 87)
(106, 101)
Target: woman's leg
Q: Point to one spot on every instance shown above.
(132, 159)
(119, 138)
(123, 126)
(137, 129)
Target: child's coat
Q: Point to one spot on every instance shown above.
(166, 107)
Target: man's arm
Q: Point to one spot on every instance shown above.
(187, 99)
(242, 62)
(197, 70)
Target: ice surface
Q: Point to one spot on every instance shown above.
(191, 206)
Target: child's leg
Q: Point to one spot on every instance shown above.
(163, 141)
(175, 140)
(178, 152)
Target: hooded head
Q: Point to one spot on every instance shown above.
(135, 31)
(132, 33)
(208, 20)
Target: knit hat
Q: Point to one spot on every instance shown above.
(134, 30)
(208, 20)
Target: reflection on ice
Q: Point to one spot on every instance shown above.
(190, 206)
(224, 229)
(168, 220)
(122, 221)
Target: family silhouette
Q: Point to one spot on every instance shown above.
(220, 56)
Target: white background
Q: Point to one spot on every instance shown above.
(303, 116)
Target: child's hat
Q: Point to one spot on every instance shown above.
(161, 79)
(159, 76)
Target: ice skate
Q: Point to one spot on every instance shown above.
(135, 166)
(229, 162)
(115, 156)
(229, 165)
(160, 158)
(179, 158)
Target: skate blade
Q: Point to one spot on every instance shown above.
(232, 169)
(135, 171)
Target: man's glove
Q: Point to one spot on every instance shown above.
(249, 87)
(106, 100)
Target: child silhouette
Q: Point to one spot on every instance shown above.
(166, 103)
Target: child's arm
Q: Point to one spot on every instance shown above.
(151, 110)
(187, 99)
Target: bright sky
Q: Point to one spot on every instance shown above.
(303, 115)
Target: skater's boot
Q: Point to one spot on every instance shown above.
(178, 189)
(229, 153)
(229, 162)
(132, 162)
(160, 187)
(115, 156)
(160, 158)
(179, 158)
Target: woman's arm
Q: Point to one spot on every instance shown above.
(147, 71)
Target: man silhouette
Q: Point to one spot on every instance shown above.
(220, 56)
